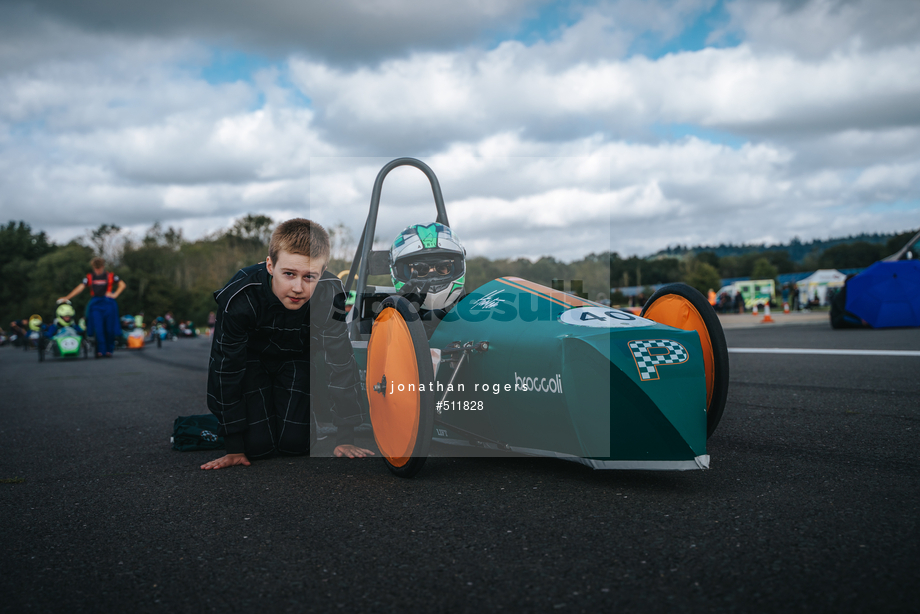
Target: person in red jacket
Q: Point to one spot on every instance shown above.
(102, 311)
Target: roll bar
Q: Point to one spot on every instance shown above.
(365, 244)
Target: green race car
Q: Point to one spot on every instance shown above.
(63, 338)
(515, 366)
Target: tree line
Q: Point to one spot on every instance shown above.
(163, 271)
(797, 250)
(166, 272)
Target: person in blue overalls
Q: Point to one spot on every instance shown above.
(102, 311)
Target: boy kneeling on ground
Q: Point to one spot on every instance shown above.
(270, 318)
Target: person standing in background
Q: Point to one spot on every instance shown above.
(102, 311)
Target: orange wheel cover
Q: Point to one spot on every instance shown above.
(678, 312)
(394, 415)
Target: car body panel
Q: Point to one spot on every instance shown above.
(549, 386)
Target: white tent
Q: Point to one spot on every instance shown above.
(819, 282)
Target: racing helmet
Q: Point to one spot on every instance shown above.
(428, 259)
(35, 322)
(64, 314)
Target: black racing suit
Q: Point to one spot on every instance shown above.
(261, 365)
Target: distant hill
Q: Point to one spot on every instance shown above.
(796, 249)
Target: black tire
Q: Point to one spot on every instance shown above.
(410, 315)
(41, 349)
(716, 406)
(159, 340)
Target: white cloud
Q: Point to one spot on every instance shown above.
(428, 101)
(816, 28)
(689, 192)
(889, 182)
(546, 147)
(341, 31)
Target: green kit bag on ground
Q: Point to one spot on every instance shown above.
(196, 433)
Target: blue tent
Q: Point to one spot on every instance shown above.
(886, 294)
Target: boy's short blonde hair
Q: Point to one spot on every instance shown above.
(300, 236)
(97, 263)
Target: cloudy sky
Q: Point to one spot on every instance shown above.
(555, 129)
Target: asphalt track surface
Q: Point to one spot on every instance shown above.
(810, 505)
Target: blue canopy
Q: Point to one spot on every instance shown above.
(886, 294)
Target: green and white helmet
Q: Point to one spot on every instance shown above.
(64, 315)
(428, 259)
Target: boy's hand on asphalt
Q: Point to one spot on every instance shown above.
(351, 451)
(228, 460)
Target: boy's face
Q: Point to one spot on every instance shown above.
(294, 277)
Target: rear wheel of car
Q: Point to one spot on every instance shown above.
(398, 362)
(682, 306)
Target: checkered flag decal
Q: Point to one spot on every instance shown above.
(651, 353)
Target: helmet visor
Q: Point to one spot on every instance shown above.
(441, 268)
(432, 268)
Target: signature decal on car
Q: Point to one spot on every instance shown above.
(602, 317)
(489, 300)
(653, 353)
